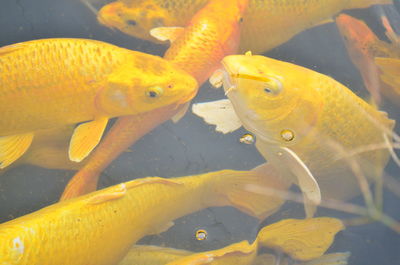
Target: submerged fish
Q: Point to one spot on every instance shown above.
(266, 24)
(301, 239)
(198, 49)
(99, 228)
(307, 125)
(363, 46)
(55, 82)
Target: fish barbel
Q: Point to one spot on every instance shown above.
(52, 83)
(266, 23)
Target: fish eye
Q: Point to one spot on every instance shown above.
(154, 92)
(274, 87)
(131, 22)
(241, 20)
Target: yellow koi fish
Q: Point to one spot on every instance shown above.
(57, 82)
(263, 22)
(301, 239)
(99, 228)
(307, 125)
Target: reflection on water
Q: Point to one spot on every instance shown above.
(212, 213)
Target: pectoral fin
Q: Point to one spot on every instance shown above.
(85, 138)
(219, 113)
(13, 147)
(110, 194)
(166, 33)
(182, 111)
(306, 181)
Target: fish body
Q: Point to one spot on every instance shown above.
(212, 34)
(49, 149)
(263, 22)
(52, 83)
(197, 49)
(99, 228)
(363, 46)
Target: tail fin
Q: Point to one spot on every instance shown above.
(252, 192)
(367, 3)
(301, 239)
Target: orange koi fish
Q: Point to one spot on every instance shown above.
(198, 49)
(363, 46)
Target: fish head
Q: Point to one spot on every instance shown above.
(135, 20)
(145, 84)
(270, 97)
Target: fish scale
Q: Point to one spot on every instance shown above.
(64, 82)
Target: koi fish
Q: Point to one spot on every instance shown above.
(217, 24)
(57, 82)
(262, 22)
(302, 239)
(307, 125)
(100, 227)
(363, 46)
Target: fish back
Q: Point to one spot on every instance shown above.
(54, 79)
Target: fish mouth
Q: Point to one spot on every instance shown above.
(249, 118)
(187, 98)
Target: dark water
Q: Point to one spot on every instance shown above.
(189, 147)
